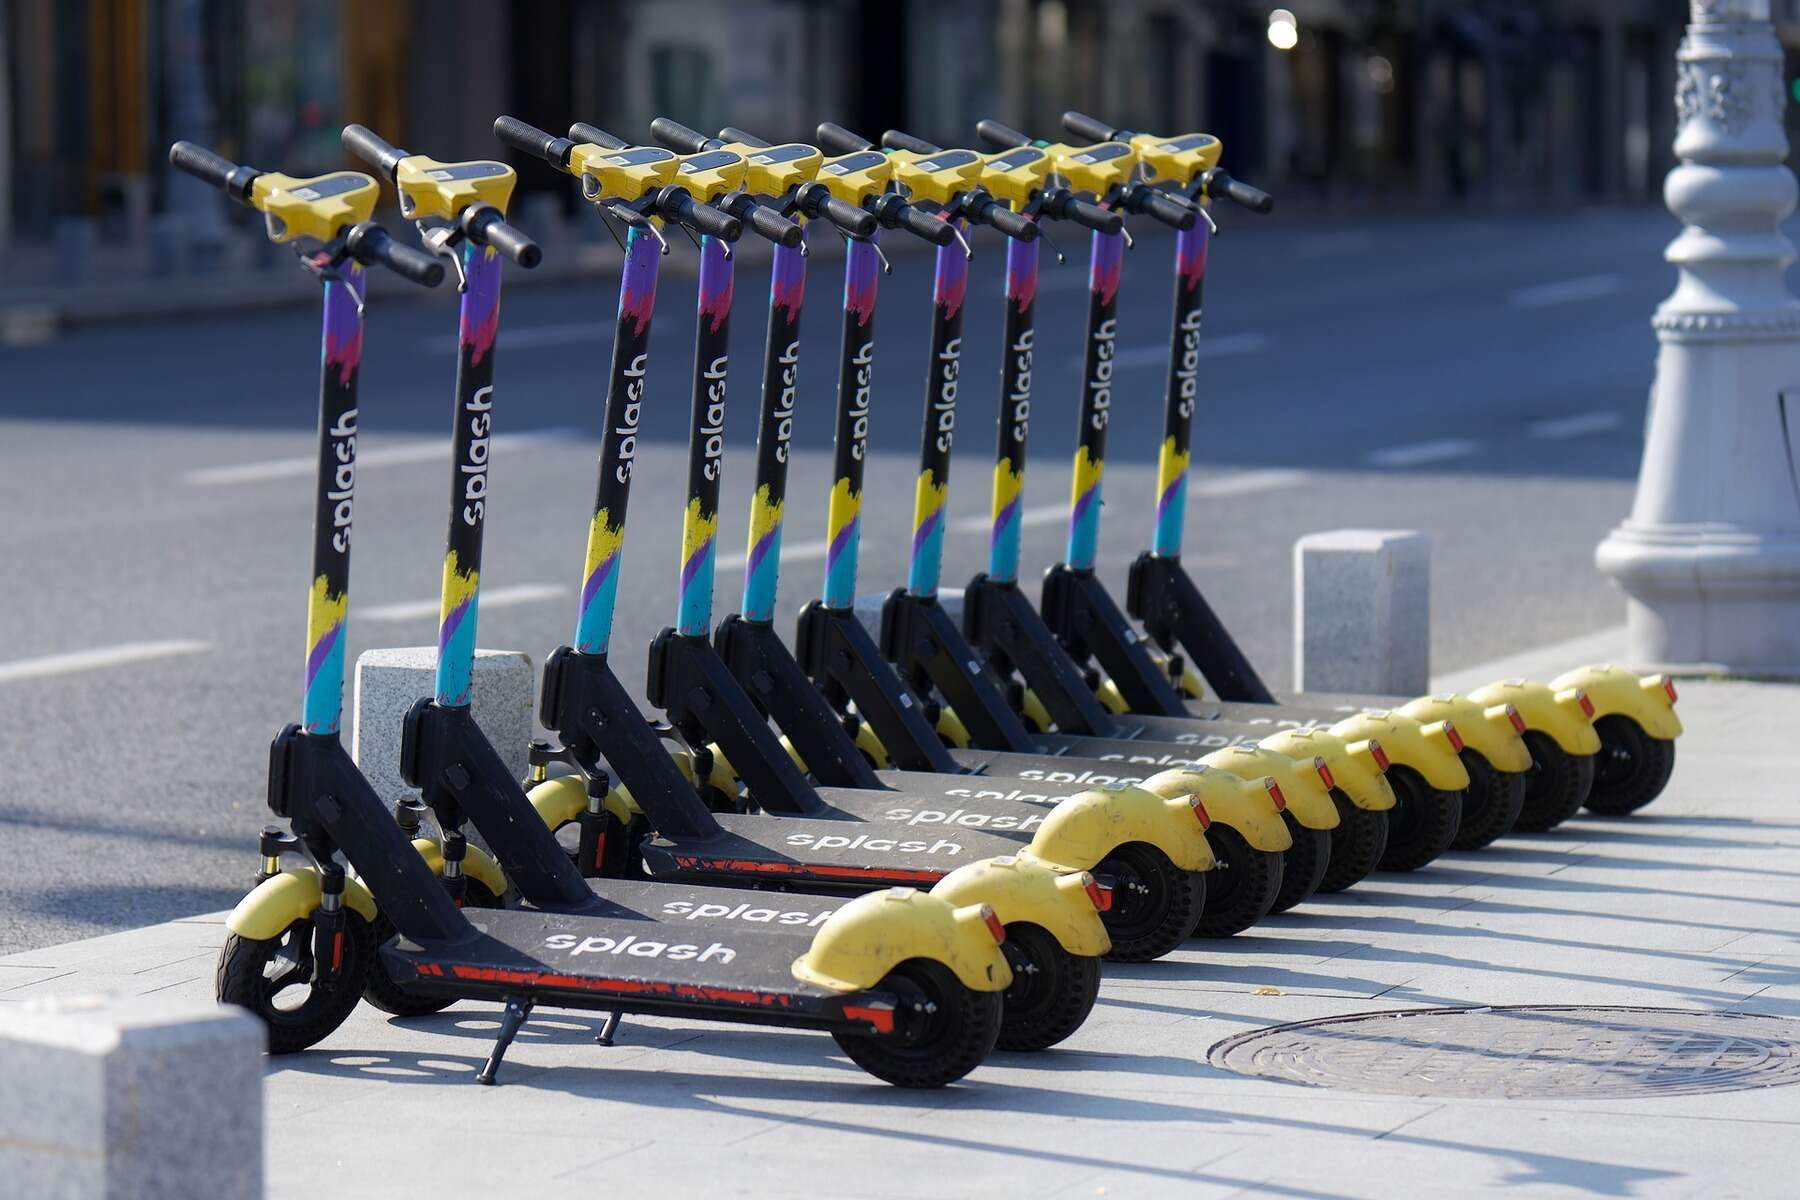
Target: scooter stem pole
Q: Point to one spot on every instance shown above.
(949, 287)
(1015, 408)
(781, 365)
(328, 603)
(706, 441)
(470, 447)
(1184, 382)
(856, 355)
(1105, 261)
(618, 447)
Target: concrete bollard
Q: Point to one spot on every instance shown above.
(389, 682)
(145, 1097)
(1362, 612)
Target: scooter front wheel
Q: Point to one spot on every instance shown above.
(1155, 904)
(1243, 887)
(275, 979)
(1422, 823)
(1302, 864)
(1357, 844)
(1557, 785)
(383, 992)
(1052, 990)
(1490, 804)
(1633, 767)
(942, 1029)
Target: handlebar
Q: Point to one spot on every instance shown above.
(485, 223)
(529, 139)
(1004, 136)
(766, 222)
(677, 136)
(1063, 204)
(813, 200)
(674, 203)
(731, 133)
(373, 149)
(1092, 129)
(1253, 198)
(839, 140)
(1160, 206)
(370, 245)
(986, 210)
(894, 139)
(214, 169)
(581, 131)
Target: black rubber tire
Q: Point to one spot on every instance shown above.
(382, 992)
(1631, 769)
(1422, 824)
(1302, 864)
(1356, 844)
(1052, 991)
(950, 1043)
(1556, 786)
(243, 980)
(1145, 925)
(1490, 804)
(1244, 885)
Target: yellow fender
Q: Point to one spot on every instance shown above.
(1085, 828)
(1492, 731)
(1244, 805)
(280, 900)
(1303, 790)
(950, 727)
(1649, 700)
(1110, 697)
(871, 746)
(559, 801)
(1037, 717)
(1557, 713)
(794, 754)
(1352, 765)
(477, 864)
(1023, 888)
(1424, 748)
(870, 936)
(723, 777)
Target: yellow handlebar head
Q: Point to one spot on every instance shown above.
(1183, 159)
(778, 170)
(1095, 169)
(711, 173)
(318, 208)
(857, 176)
(621, 174)
(937, 178)
(429, 188)
(1015, 175)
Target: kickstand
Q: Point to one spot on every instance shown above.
(511, 1019)
(605, 1036)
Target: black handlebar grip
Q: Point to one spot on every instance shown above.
(1252, 198)
(373, 149)
(490, 227)
(1090, 129)
(581, 131)
(923, 224)
(676, 204)
(856, 222)
(1165, 208)
(894, 139)
(731, 133)
(839, 140)
(529, 139)
(772, 225)
(677, 136)
(214, 169)
(1014, 225)
(1004, 136)
(371, 245)
(1085, 212)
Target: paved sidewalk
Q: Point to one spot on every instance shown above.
(1690, 905)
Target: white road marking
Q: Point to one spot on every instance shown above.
(1579, 425)
(1228, 346)
(506, 597)
(437, 450)
(1565, 291)
(96, 658)
(1420, 453)
(1237, 483)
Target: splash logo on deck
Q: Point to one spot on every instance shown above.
(859, 400)
(1187, 372)
(636, 947)
(342, 492)
(753, 914)
(862, 841)
(964, 819)
(474, 467)
(1100, 386)
(944, 407)
(784, 403)
(626, 429)
(713, 427)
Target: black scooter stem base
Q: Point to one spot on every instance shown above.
(1081, 613)
(846, 664)
(921, 640)
(999, 619)
(1160, 593)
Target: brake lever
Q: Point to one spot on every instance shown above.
(442, 241)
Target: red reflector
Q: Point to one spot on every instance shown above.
(1454, 738)
(880, 1017)
(599, 850)
(1324, 770)
(1101, 896)
(1669, 687)
(993, 924)
(1587, 706)
(1518, 722)
(1200, 812)
(1275, 793)
(337, 950)
(1379, 755)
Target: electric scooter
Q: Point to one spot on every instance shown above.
(1563, 722)
(313, 930)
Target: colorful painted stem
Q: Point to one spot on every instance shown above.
(781, 367)
(706, 442)
(843, 517)
(1184, 384)
(1105, 260)
(949, 288)
(1015, 409)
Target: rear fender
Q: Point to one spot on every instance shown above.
(870, 936)
(794, 754)
(1486, 729)
(477, 864)
(722, 776)
(871, 746)
(1243, 805)
(1036, 716)
(280, 900)
(950, 727)
(1409, 743)
(1110, 698)
(1615, 692)
(1083, 829)
(1554, 712)
(1024, 888)
(1352, 765)
(1303, 790)
(559, 801)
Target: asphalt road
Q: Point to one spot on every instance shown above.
(1483, 380)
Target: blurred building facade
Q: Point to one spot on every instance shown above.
(1376, 104)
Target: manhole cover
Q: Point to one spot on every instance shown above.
(1602, 1053)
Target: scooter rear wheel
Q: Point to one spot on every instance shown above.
(1422, 823)
(1302, 864)
(1243, 886)
(1052, 990)
(1490, 804)
(1633, 767)
(1356, 844)
(1556, 786)
(943, 1030)
(1155, 904)
(383, 992)
(263, 975)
